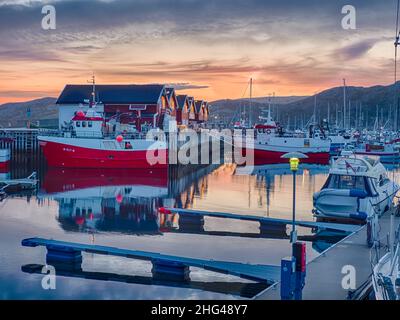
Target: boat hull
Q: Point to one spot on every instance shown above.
(263, 157)
(60, 153)
(4, 166)
(384, 157)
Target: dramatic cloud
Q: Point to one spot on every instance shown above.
(287, 46)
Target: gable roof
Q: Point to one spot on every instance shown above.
(112, 94)
(198, 104)
(181, 99)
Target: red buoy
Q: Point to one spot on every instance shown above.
(119, 198)
(119, 138)
(164, 210)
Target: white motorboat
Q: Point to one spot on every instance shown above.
(356, 189)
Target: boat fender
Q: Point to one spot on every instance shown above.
(359, 216)
(358, 193)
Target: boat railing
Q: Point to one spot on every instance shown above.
(93, 135)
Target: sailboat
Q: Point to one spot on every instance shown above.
(386, 273)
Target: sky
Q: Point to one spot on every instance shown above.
(209, 49)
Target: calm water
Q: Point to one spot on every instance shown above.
(119, 208)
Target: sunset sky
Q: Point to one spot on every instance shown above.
(289, 47)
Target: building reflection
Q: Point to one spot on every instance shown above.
(124, 201)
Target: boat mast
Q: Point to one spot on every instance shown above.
(329, 111)
(250, 108)
(344, 104)
(315, 109)
(93, 82)
(396, 44)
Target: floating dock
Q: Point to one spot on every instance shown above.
(266, 220)
(164, 266)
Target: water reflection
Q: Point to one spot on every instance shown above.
(127, 201)
(120, 208)
(123, 201)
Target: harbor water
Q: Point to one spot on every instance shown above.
(120, 209)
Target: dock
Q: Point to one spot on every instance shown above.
(326, 272)
(266, 220)
(164, 266)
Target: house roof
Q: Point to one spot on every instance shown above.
(112, 94)
(181, 99)
(198, 104)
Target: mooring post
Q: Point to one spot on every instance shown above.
(299, 253)
(288, 267)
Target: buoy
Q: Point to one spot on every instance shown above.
(119, 198)
(80, 113)
(79, 220)
(119, 138)
(163, 210)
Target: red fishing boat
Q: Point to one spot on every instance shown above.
(93, 142)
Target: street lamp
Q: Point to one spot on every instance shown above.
(294, 160)
(293, 270)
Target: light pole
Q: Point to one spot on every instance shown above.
(294, 160)
(293, 269)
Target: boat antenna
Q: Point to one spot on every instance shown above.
(93, 82)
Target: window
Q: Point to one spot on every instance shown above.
(336, 181)
(78, 123)
(83, 124)
(90, 124)
(383, 179)
(109, 145)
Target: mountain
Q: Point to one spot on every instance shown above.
(229, 109)
(15, 114)
(370, 100)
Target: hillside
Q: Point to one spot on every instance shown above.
(15, 114)
(286, 109)
(370, 100)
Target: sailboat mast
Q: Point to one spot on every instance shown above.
(344, 104)
(250, 108)
(329, 111)
(315, 109)
(396, 44)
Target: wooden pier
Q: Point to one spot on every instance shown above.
(326, 272)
